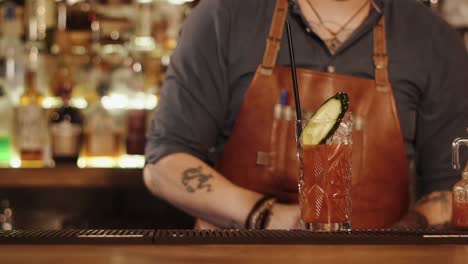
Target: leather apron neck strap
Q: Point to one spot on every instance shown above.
(276, 33)
(381, 57)
(274, 39)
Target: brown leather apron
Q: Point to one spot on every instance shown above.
(254, 158)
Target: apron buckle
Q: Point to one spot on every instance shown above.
(382, 88)
(263, 158)
(358, 122)
(264, 70)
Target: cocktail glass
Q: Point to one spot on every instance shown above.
(325, 179)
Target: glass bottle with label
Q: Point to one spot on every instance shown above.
(31, 121)
(102, 146)
(66, 122)
(6, 117)
(460, 189)
(65, 128)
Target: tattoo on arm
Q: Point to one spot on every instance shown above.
(194, 179)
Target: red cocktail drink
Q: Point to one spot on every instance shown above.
(326, 180)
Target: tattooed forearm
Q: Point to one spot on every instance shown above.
(194, 179)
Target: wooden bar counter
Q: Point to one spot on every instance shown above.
(233, 246)
(321, 254)
(70, 176)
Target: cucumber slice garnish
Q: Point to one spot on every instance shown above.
(323, 124)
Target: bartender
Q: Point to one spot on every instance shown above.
(210, 148)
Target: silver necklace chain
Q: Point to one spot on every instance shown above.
(334, 42)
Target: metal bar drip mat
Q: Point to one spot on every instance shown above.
(185, 237)
(77, 236)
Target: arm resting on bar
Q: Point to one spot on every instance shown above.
(191, 185)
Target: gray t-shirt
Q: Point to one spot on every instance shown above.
(222, 43)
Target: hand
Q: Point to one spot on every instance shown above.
(412, 220)
(285, 216)
(436, 207)
(433, 210)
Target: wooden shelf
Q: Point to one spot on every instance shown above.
(70, 176)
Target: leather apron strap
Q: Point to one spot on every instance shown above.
(381, 57)
(274, 39)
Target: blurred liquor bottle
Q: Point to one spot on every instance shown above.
(6, 123)
(66, 122)
(63, 73)
(142, 40)
(39, 24)
(136, 113)
(39, 21)
(79, 17)
(168, 22)
(102, 146)
(11, 53)
(144, 49)
(88, 74)
(31, 121)
(141, 83)
(66, 127)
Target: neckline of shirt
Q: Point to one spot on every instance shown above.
(377, 6)
(368, 24)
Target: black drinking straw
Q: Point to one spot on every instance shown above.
(294, 78)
